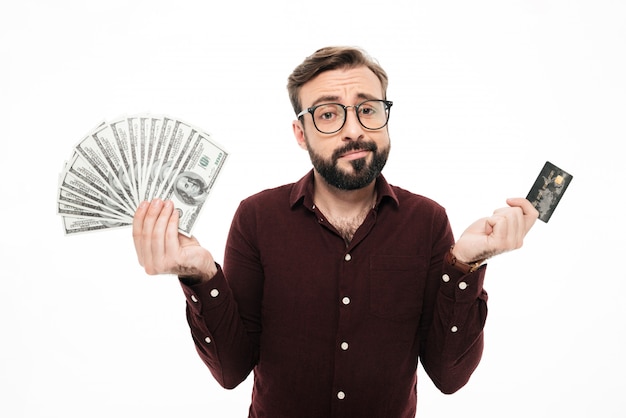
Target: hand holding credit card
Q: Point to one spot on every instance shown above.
(548, 189)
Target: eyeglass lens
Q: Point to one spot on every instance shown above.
(329, 118)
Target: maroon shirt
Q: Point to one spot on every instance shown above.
(332, 330)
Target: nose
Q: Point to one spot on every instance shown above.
(352, 129)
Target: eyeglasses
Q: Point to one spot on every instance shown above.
(329, 118)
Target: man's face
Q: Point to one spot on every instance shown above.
(354, 156)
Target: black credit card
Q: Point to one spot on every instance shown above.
(548, 189)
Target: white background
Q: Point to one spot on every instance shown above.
(484, 93)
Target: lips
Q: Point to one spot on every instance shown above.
(355, 154)
(355, 150)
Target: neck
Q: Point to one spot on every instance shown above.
(344, 203)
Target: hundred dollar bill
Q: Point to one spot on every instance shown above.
(192, 184)
(126, 150)
(95, 161)
(104, 140)
(70, 182)
(179, 146)
(92, 176)
(70, 203)
(76, 211)
(143, 143)
(158, 145)
(73, 225)
(135, 158)
(172, 153)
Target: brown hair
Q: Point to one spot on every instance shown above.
(326, 59)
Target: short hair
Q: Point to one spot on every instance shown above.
(331, 58)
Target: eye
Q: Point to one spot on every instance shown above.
(326, 113)
(367, 109)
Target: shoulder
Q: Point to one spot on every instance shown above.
(414, 201)
(404, 200)
(418, 214)
(273, 200)
(282, 197)
(270, 195)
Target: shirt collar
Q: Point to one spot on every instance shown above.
(302, 191)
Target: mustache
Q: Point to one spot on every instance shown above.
(355, 146)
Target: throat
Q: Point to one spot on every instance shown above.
(347, 226)
(345, 211)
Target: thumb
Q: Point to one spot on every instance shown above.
(524, 204)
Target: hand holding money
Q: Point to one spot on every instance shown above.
(135, 159)
(162, 250)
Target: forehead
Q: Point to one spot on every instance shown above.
(345, 84)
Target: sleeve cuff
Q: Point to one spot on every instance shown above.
(205, 296)
(462, 287)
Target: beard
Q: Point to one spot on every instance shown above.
(363, 173)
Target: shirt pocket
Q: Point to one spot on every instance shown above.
(397, 286)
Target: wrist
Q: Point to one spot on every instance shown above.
(197, 277)
(463, 266)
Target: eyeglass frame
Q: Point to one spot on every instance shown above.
(311, 110)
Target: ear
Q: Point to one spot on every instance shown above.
(298, 132)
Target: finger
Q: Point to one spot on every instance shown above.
(172, 244)
(489, 224)
(159, 254)
(531, 214)
(147, 235)
(527, 208)
(499, 226)
(511, 216)
(138, 220)
(508, 230)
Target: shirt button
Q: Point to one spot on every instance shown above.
(207, 340)
(194, 298)
(341, 395)
(445, 278)
(344, 346)
(345, 300)
(462, 285)
(348, 257)
(454, 329)
(215, 293)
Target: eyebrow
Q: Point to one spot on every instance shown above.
(334, 99)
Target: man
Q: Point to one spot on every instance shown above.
(333, 286)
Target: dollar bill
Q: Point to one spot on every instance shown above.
(158, 143)
(192, 184)
(83, 170)
(76, 204)
(76, 225)
(136, 158)
(127, 153)
(109, 146)
(173, 152)
(94, 193)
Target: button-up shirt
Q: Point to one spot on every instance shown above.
(331, 329)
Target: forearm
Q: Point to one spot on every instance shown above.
(218, 331)
(454, 345)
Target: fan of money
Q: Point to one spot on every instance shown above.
(133, 159)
